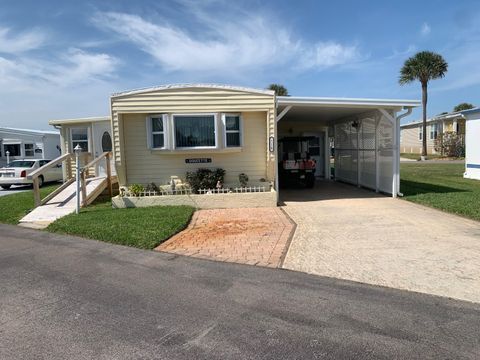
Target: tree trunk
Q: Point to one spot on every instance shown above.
(424, 125)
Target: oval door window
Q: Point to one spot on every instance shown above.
(106, 142)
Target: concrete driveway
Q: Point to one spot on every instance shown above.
(355, 234)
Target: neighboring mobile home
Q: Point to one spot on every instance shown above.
(28, 144)
(472, 143)
(411, 134)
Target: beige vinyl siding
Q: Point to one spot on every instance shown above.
(191, 100)
(145, 165)
(411, 143)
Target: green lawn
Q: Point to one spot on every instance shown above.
(16, 206)
(441, 186)
(143, 228)
(417, 156)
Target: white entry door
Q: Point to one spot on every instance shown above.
(102, 143)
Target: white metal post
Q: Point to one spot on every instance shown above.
(77, 151)
(326, 147)
(8, 156)
(377, 157)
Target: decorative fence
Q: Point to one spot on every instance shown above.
(250, 189)
(189, 191)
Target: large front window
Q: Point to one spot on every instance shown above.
(194, 131)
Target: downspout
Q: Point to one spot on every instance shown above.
(397, 140)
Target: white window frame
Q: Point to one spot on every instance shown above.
(420, 133)
(239, 131)
(25, 150)
(150, 132)
(215, 116)
(19, 143)
(433, 130)
(89, 137)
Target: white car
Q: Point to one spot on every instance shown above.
(16, 173)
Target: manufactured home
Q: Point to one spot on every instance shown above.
(167, 131)
(160, 134)
(18, 144)
(411, 134)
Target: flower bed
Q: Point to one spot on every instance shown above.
(207, 199)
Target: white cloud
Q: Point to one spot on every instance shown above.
(425, 30)
(75, 66)
(13, 44)
(327, 54)
(251, 42)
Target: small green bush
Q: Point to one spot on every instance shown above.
(136, 189)
(243, 179)
(205, 178)
(152, 187)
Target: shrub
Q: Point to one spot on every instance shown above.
(152, 187)
(450, 144)
(205, 179)
(136, 189)
(243, 179)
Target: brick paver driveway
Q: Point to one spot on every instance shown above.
(354, 234)
(258, 236)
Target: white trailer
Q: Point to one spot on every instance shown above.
(16, 144)
(472, 144)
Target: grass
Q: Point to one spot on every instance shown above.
(417, 156)
(15, 206)
(441, 186)
(143, 228)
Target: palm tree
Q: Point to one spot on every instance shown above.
(423, 66)
(280, 90)
(463, 106)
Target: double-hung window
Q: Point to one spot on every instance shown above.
(433, 131)
(233, 136)
(158, 127)
(29, 150)
(80, 137)
(195, 131)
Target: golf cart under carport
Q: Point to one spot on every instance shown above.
(365, 133)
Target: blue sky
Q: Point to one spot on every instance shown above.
(62, 59)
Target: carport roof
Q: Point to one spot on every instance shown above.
(317, 109)
(346, 102)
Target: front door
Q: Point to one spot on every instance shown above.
(316, 148)
(103, 143)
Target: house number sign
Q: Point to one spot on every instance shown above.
(271, 144)
(198, 161)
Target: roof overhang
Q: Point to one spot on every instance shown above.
(328, 109)
(190, 86)
(79, 120)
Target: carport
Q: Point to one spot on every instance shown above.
(365, 133)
